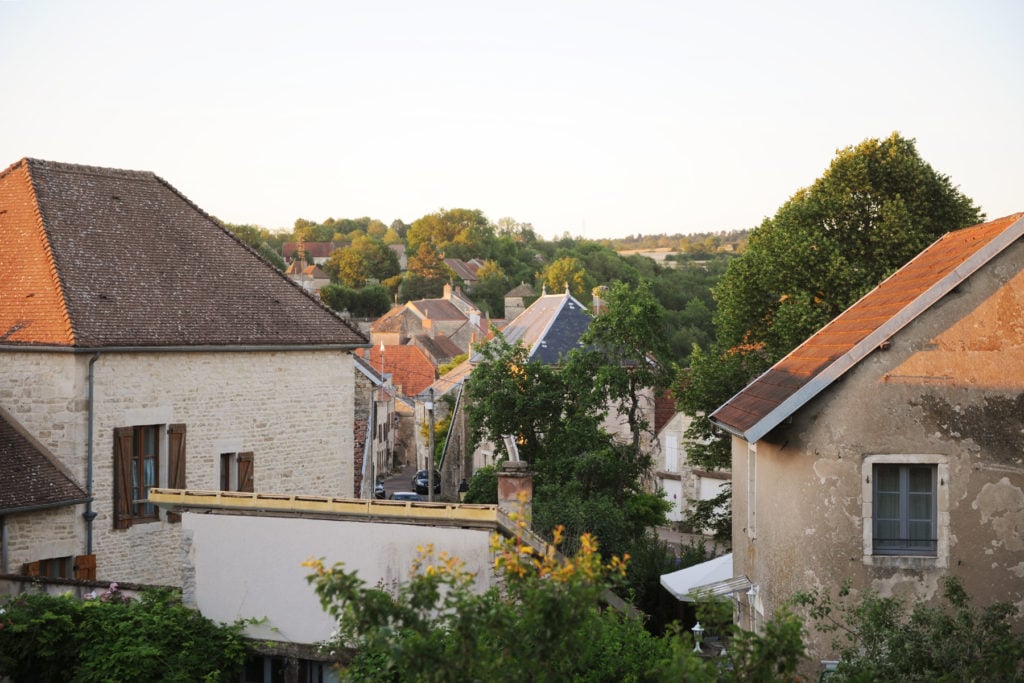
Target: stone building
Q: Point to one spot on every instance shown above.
(887, 449)
(119, 358)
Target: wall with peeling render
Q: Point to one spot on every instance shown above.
(949, 389)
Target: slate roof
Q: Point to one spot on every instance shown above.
(464, 269)
(550, 327)
(99, 258)
(521, 290)
(438, 309)
(29, 477)
(440, 349)
(810, 368)
(312, 249)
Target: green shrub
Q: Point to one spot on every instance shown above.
(47, 638)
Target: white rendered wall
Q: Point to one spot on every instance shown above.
(251, 566)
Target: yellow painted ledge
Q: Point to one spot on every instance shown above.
(183, 499)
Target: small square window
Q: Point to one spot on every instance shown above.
(904, 509)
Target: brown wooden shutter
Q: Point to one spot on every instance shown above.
(123, 444)
(245, 467)
(30, 569)
(175, 462)
(85, 567)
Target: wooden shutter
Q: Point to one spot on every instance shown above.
(123, 445)
(30, 569)
(245, 467)
(175, 462)
(85, 567)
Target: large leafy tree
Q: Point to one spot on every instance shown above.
(366, 258)
(876, 206)
(566, 272)
(427, 274)
(456, 233)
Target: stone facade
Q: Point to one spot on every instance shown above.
(230, 402)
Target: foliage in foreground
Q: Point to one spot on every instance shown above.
(546, 621)
(878, 640)
(47, 638)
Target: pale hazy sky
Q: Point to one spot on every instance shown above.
(600, 119)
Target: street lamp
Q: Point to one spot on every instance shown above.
(430, 448)
(697, 633)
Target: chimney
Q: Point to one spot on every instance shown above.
(515, 489)
(447, 290)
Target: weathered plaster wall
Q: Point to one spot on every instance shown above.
(950, 386)
(229, 402)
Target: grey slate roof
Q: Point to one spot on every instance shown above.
(124, 259)
(29, 479)
(549, 328)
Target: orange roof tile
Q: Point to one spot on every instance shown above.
(408, 366)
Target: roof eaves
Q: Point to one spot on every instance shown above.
(906, 315)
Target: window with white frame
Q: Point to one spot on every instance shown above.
(906, 508)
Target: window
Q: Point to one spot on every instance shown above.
(904, 510)
(236, 472)
(139, 466)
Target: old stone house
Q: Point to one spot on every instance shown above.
(121, 360)
(887, 449)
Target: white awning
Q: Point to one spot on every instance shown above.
(713, 577)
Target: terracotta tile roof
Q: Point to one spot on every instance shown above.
(29, 477)
(409, 367)
(764, 403)
(97, 257)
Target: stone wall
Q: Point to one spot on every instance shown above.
(229, 401)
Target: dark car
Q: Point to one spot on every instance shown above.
(420, 483)
(405, 495)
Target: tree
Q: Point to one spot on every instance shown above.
(545, 622)
(490, 288)
(566, 272)
(456, 233)
(625, 351)
(876, 206)
(878, 640)
(364, 259)
(426, 276)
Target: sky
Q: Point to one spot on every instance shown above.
(595, 119)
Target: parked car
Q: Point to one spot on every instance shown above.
(378, 492)
(405, 495)
(420, 483)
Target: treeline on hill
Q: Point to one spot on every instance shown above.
(366, 276)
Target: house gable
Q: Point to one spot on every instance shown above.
(850, 337)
